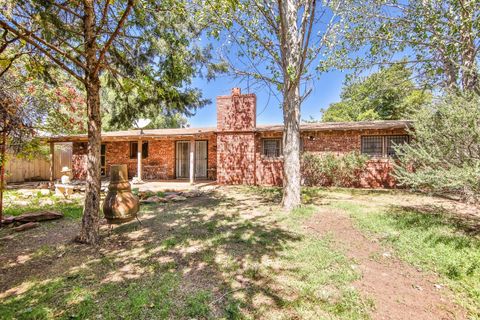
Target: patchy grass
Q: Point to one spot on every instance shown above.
(233, 254)
(17, 203)
(212, 257)
(427, 236)
(77, 297)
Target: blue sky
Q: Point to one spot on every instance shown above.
(325, 91)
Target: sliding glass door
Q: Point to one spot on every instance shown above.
(182, 159)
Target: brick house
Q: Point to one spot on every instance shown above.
(237, 150)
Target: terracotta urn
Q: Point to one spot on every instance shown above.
(120, 204)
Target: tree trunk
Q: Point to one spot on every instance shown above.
(291, 150)
(91, 212)
(292, 69)
(2, 167)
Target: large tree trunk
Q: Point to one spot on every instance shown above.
(291, 150)
(291, 57)
(91, 212)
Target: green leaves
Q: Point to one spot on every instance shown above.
(436, 38)
(444, 155)
(388, 94)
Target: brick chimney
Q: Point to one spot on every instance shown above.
(237, 112)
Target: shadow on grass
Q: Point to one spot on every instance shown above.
(428, 216)
(273, 195)
(440, 240)
(187, 260)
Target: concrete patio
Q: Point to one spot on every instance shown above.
(157, 185)
(175, 185)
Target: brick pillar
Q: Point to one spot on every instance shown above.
(236, 124)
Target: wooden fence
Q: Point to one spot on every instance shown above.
(21, 170)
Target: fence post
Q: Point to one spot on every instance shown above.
(52, 163)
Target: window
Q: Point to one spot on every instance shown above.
(392, 142)
(382, 146)
(372, 145)
(272, 148)
(103, 162)
(134, 150)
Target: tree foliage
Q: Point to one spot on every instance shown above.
(280, 45)
(18, 116)
(143, 48)
(439, 39)
(444, 155)
(118, 114)
(388, 94)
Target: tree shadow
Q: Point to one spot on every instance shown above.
(213, 244)
(429, 216)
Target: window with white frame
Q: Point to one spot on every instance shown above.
(272, 148)
(382, 146)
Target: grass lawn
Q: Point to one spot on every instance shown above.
(431, 239)
(16, 203)
(229, 254)
(215, 256)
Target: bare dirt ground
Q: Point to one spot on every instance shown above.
(399, 291)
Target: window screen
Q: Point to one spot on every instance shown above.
(372, 145)
(392, 142)
(272, 147)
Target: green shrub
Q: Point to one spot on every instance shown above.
(332, 170)
(444, 155)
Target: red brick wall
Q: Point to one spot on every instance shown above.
(236, 112)
(212, 157)
(79, 160)
(239, 155)
(235, 156)
(378, 171)
(269, 170)
(160, 163)
(236, 120)
(340, 142)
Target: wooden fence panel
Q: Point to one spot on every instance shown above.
(21, 170)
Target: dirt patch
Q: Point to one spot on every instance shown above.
(399, 291)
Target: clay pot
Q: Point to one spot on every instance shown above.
(120, 204)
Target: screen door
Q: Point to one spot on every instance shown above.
(182, 159)
(201, 159)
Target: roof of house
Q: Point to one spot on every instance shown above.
(343, 126)
(318, 126)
